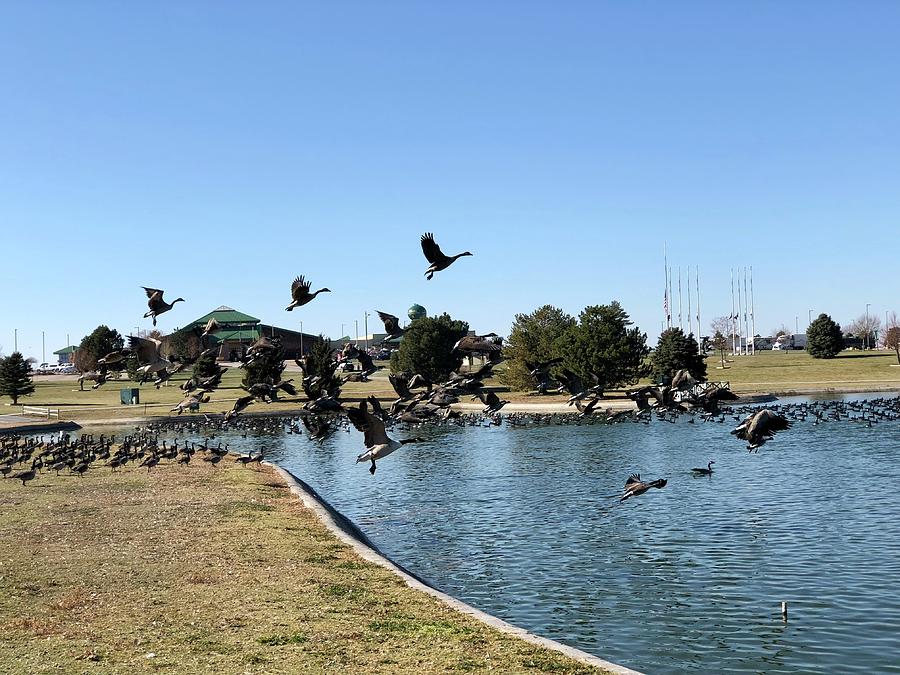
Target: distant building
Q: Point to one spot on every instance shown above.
(237, 331)
(66, 355)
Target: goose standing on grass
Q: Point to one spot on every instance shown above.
(378, 443)
(300, 294)
(704, 472)
(435, 256)
(156, 303)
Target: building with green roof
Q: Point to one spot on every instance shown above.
(66, 354)
(237, 331)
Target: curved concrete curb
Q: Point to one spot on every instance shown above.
(344, 529)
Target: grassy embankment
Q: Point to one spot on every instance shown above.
(797, 371)
(202, 569)
(768, 371)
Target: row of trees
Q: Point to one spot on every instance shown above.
(602, 341)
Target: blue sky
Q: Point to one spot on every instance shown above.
(217, 150)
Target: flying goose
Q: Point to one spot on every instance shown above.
(435, 256)
(760, 427)
(378, 443)
(148, 356)
(300, 294)
(239, 405)
(156, 303)
(492, 402)
(212, 326)
(634, 486)
(391, 325)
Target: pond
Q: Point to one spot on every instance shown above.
(519, 522)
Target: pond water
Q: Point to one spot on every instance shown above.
(518, 522)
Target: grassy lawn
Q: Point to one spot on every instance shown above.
(798, 371)
(768, 371)
(104, 402)
(200, 569)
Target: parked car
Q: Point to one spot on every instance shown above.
(67, 369)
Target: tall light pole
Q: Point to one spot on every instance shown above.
(301, 339)
(356, 323)
(43, 349)
(342, 332)
(15, 339)
(867, 324)
(809, 317)
(366, 328)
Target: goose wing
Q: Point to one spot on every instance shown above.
(768, 422)
(391, 322)
(146, 349)
(431, 249)
(633, 479)
(371, 427)
(300, 288)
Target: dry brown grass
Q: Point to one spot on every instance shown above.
(195, 569)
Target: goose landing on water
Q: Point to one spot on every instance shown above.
(378, 443)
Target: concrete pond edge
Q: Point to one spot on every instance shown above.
(347, 532)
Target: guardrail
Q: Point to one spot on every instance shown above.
(42, 412)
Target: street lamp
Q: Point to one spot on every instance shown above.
(809, 317)
(867, 324)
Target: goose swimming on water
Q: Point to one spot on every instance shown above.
(704, 472)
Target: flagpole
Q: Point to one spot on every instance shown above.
(670, 296)
(680, 320)
(699, 329)
(746, 325)
(666, 284)
(733, 315)
(690, 318)
(752, 315)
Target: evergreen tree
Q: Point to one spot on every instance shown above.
(823, 338)
(98, 344)
(204, 367)
(266, 367)
(675, 351)
(319, 363)
(15, 377)
(532, 338)
(602, 343)
(427, 347)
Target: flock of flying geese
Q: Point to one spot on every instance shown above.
(431, 405)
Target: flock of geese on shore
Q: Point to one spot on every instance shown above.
(23, 458)
(324, 411)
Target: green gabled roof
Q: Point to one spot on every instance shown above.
(66, 350)
(247, 334)
(224, 315)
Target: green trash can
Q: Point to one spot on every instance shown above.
(130, 396)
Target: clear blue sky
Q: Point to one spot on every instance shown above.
(216, 150)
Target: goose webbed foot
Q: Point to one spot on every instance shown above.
(372, 468)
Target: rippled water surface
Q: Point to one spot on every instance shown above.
(686, 579)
